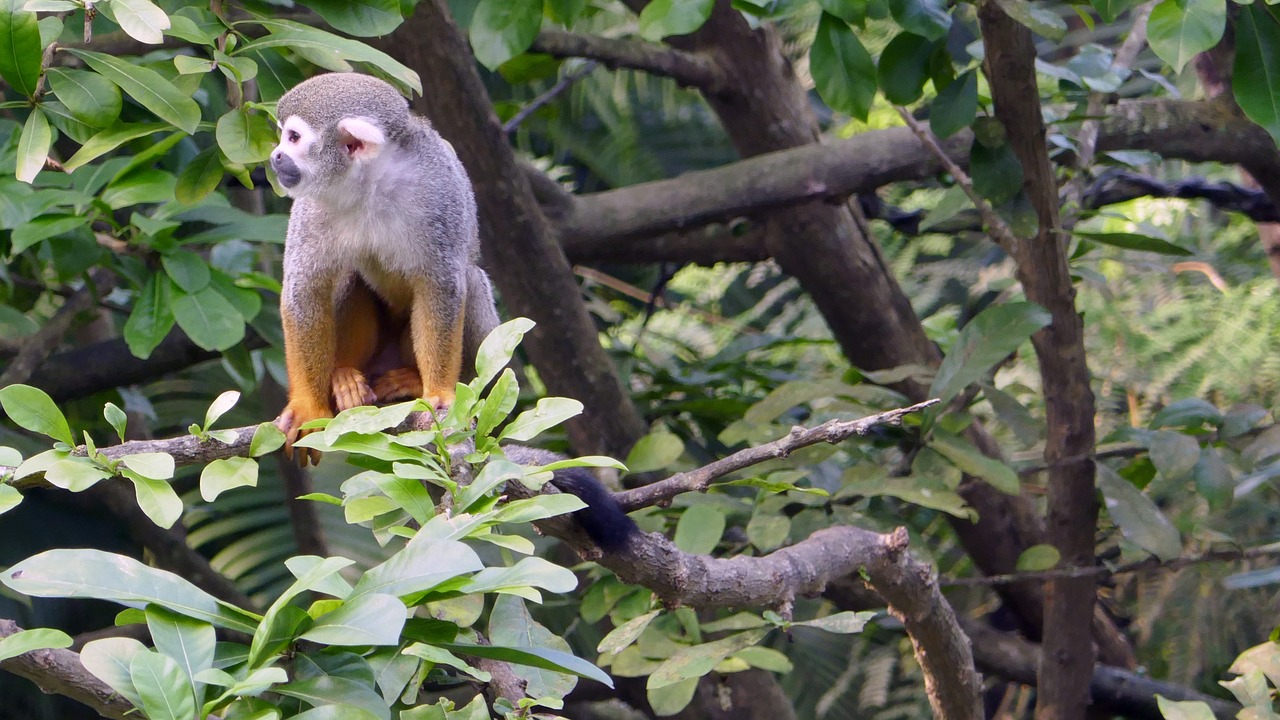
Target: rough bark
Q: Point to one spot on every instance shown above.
(1069, 405)
(59, 672)
(520, 250)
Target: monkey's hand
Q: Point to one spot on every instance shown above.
(290, 423)
(350, 389)
(399, 384)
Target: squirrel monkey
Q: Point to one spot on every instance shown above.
(382, 297)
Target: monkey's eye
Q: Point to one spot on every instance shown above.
(293, 136)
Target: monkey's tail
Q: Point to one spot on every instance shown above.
(602, 519)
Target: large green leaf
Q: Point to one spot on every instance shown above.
(156, 498)
(985, 341)
(663, 18)
(955, 107)
(32, 409)
(91, 98)
(549, 412)
(926, 18)
(151, 319)
(148, 87)
(244, 137)
(109, 660)
(535, 657)
(503, 29)
(1041, 20)
(110, 139)
(295, 36)
(904, 67)
(43, 228)
(1134, 241)
(165, 691)
(970, 460)
(33, 145)
(1257, 66)
(200, 177)
(694, 662)
(363, 18)
(842, 69)
(1137, 516)
(189, 642)
(997, 173)
(37, 639)
(699, 529)
(20, 49)
(142, 20)
(421, 565)
(332, 690)
(105, 576)
(1178, 30)
(373, 619)
(208, 319)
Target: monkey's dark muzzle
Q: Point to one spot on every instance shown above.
(286, 169)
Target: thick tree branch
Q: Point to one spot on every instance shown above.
(59, 672)
(1046, 279)
(38, 346)
(686, 68)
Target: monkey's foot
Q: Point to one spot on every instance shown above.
(290, 423)
(399, 384)
(350, 389)
(440, 401)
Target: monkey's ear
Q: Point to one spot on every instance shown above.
(362, 139)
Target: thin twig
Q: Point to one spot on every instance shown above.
(1099, 571)
(832, 431)
(556, 90)
(996, 226)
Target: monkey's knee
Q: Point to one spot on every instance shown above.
(350, 389)
(398, 384)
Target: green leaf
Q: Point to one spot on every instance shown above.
(1109, 10)
(32, 409)
(496, 349)
(165, 691)
(188, 270)
(440, 656)
(151, 319)
(1187, 413)
(1040, 20)
(699, 529)
(244, 137)
(985, 341)
(208, 319)
(1213, 479)
(997, 174)
(187, 641)
(327, 712)
(565, 12)
(190, 65)
(1257, 65)
(372, 619)
(296, 36)
(549, 412)
(10, 498)
(362, 18)
(503, 29)
(529, 572)
(409, 494)
(20, 48)
(655, 451)
(1037, 558)
(110, 139)
(116, 418)
(156, 498)
(1178, 30)
(91, 98)
(75, 474)
(1134, 241)
(109, 660)
(421, 565)
(148, 87)
(365, 420)
(623, 635)
(843, 623)
(1137, 516)
(199, 177)
(33, 145)
(926, 18)
(511, 625)
(43, 228)
(155, 465)
(970, 460)
(842, 70)
(225, 474)
(904, 67)
(534, 657)
(768, 530)
(332, 690)
(955, 107)
(220, 406)
(1184, 709)
(663, 18)
(25, 641)
(105, 576)
(669, 700)
(853, 12)
(141, 20)
(266, 438)
(694, 662)
(1174, 454)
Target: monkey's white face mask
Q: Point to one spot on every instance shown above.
(309, 163)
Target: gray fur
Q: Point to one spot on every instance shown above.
(408, 211)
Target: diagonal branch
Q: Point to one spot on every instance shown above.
(36, 348)
(686, 68)
(832, 431)
(59, 672)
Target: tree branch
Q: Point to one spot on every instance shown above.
(686, 68)
(37, 347)
(59, 672)
(832, 431)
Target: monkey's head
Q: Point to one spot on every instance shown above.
(332, 124)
